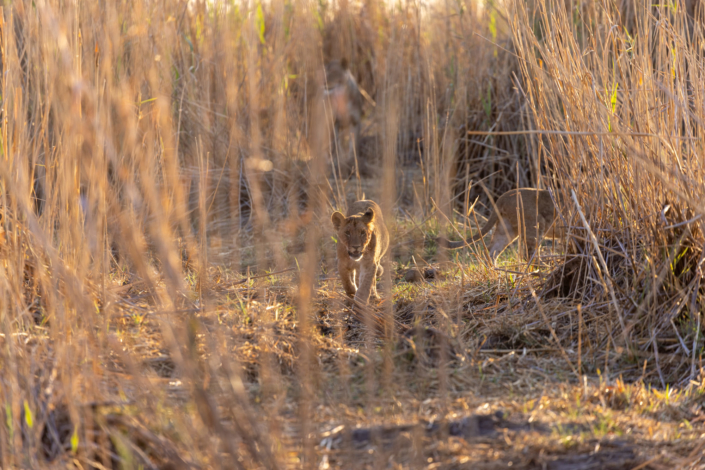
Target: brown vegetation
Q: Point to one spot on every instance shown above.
(168, 297)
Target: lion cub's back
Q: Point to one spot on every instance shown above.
(360, 207)
(508, 201)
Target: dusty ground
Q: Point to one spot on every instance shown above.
(508, 394)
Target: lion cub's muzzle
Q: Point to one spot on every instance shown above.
(355, 255)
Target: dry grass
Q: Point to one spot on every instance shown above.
(168, 293)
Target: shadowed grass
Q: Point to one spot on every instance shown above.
(168, 286)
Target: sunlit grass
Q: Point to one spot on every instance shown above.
(168, 282)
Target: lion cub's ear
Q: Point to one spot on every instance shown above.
(368, 217)
(337, 218)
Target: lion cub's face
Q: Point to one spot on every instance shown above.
(354, 232)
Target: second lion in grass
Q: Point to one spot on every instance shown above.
(527, 213)
(362, 241)
(345, 101)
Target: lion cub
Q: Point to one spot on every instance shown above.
(362, 241)
(527, 213)
(345, 100)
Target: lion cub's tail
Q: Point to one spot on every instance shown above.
(442, 241)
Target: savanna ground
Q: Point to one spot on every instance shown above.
(168, 292)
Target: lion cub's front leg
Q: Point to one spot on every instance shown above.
(346, 270)
(377, 275)
(368, 275)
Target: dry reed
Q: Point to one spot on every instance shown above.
(167, 282)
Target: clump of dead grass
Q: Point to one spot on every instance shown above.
(620, 122)
(167, 290)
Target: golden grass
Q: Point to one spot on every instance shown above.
(168, 292)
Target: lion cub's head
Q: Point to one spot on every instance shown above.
(354, 232)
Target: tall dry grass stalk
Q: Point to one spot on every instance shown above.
(167, 275)
(155, 152)
(626, 97)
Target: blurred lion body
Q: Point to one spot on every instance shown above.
(362, 241)
(345, 99)
(527, 213)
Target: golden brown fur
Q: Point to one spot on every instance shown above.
(362, 241)
(527, 213)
